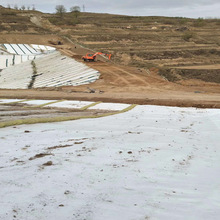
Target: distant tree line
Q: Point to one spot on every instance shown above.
(64, 18)
(22, 7)
(61, 10)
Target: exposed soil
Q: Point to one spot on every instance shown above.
(124, 84)
(39, 156)
(48, 163)
(59, 146)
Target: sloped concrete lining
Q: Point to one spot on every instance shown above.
(52, 70)
(16, 77)
(26, 49)
(12, 54)
(57, 70)
(11, 60)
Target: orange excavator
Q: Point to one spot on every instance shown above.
(92, 57)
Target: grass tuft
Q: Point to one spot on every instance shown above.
(88, 106)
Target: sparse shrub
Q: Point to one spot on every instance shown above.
(34, 67)
(187, 36)
(18, 27)
(71, 21)
(56, 21)
(169, 21)
(52, 20)
(66, 20)
(169, 74)
(34, 74)
(217, 21)
(183, 20)
(98, 24)
(214, 51)
(8, 12)
(200, 22)
(2, 28)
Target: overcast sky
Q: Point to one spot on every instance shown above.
(179, 8)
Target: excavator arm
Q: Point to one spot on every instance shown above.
(105, 54)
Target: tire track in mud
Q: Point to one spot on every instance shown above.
(67, 52)
(117, 78)
(118, 75)
(133, 76)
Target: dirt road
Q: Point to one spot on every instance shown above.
(123, 95)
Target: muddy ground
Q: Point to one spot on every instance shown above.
(9, 112)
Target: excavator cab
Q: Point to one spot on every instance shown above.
(89, 57)
(92, 57)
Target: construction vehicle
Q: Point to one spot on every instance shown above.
(92, 57)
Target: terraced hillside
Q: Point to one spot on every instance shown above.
(144, 42)
(15, 21)
(23, 26)
(148, 42)
(155, 60)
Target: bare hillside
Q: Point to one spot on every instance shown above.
(144, 42)
(162, 42)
